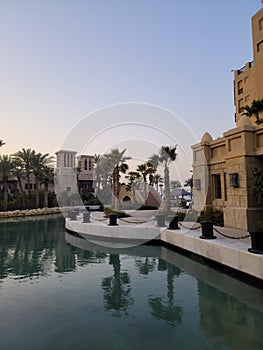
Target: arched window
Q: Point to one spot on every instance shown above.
(85, 164)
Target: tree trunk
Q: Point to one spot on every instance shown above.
(167, 187)
(144, 189)
(28, 185)
(37, 193)
(115, 189)
(22, 192)
(5, 186)
(46, 196)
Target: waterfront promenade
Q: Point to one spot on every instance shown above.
(231, 253)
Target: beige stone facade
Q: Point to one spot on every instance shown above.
(248, 81)
(222, 171)
(222, 168)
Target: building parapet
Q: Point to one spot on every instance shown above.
(244, 68)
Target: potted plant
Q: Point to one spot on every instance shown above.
(256, 233)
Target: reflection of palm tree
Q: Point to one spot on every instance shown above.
(27, 254)
(170, 313)
(146, 266)
(117, 290)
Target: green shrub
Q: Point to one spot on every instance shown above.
(183, 204)
(93, 201)
(181, 216)
(148, 207)
(216, 216)
(120, 214)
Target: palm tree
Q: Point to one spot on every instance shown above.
(146, 169)
(46, 178)
(175, 184)
(156, 180)
(254, 110)
(2, 143)
(97, 173)
(151, 171)
(6, 167)
(142, 169)
(132, 177)
(39, 163)
(19, 173)
(189, 183)
(117, 160)
(25, 157)
(103, 175)
(167, 154)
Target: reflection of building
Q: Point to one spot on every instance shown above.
(221, 312)
(248, 82)
(222, 168)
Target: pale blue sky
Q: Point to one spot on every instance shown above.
(61, 60)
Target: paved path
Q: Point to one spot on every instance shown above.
(141, 216)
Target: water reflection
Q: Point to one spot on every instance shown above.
(152, 283)
(27, 247)
(167, 310)
(145, 265)
(32, 248)
(117, 289)
(227, 321)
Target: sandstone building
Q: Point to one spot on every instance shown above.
(222, 168)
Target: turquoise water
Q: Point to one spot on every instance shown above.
(58, 291)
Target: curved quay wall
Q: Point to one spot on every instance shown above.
(233, 255)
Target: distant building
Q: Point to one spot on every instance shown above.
(85, 176)
(66, 172)
(13, 185)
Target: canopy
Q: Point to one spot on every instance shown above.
(179, 192)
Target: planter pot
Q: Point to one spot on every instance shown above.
(173, 225)
(113, 220)
(160, 220)
(73, 215)
(256, 236)
(86, 217)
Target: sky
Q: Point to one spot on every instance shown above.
(63, 60)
